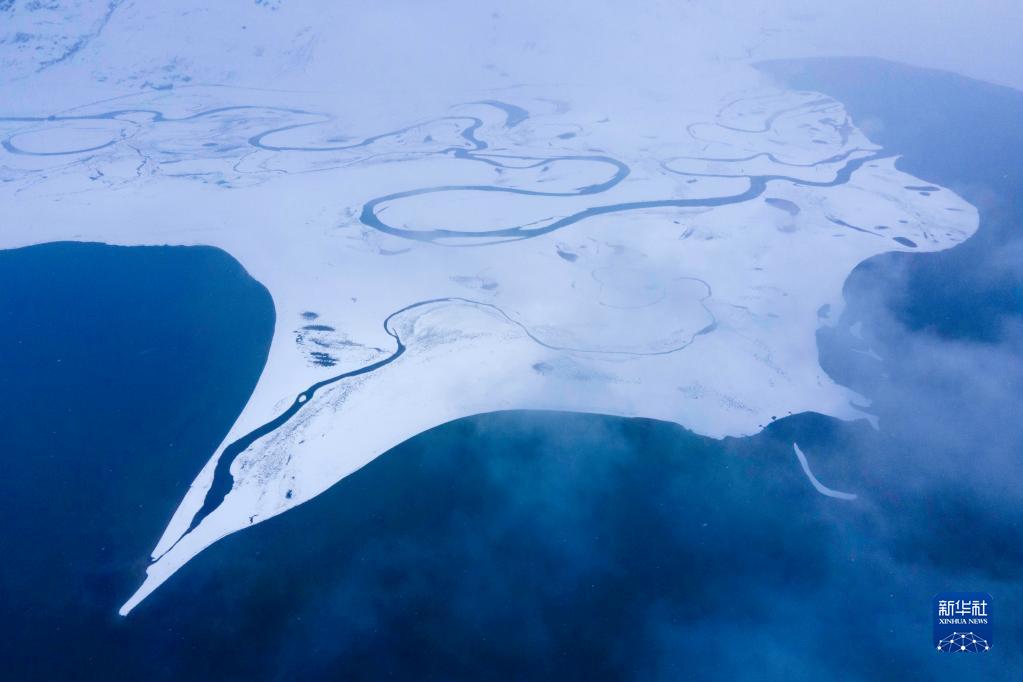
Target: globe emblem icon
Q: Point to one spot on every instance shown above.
(963, 642)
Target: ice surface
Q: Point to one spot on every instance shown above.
(817, 485)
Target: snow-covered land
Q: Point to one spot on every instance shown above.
(511, 241)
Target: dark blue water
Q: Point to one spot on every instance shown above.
(120, 370)
(525, 545)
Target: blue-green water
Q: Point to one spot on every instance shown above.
(532, 545)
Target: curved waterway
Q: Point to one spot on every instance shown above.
(475, 150)
(514, 116)
(757, 185)
(223, 481)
